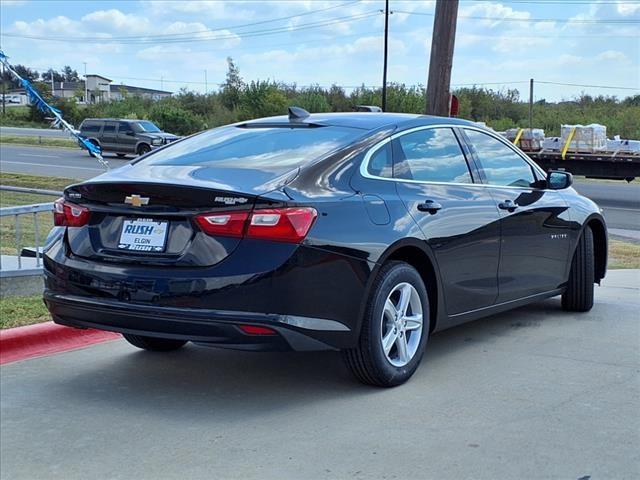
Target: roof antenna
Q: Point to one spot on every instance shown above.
(297, 113)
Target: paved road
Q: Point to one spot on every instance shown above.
(59, 162)
(537, 393)
(621, 201)
(33, 132)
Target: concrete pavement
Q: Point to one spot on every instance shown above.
(536, 393)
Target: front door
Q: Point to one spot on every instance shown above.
(458, 218)
(126, 138)
(534, 221)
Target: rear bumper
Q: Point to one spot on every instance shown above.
(310, 297)
(210, 327)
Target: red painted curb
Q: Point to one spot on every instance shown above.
(47, 338)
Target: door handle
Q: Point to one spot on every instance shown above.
(429, 206)
(508, 205)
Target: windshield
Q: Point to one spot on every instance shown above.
(145, 126)
(269, 149)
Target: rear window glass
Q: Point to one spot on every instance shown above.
(90, 127)
(270, 148)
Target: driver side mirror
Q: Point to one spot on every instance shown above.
(131, 133)
(559, 180)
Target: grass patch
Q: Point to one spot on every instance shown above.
(8, 241)
(623, 254)
(19, 311)
(38, 141)
(35, 181)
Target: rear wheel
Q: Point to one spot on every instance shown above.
(394, 329)
(143, 149)
(153, 344)
(578, 296)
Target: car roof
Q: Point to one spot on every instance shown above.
(112, 120)
(363, 120)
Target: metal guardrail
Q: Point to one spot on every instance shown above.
(16, 268)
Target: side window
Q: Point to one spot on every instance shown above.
(124, 127)
(501, 165)
(380, 163)
(431, 155)
(109, 128)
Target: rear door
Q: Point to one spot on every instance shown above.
(458, 218)
(534, 221)
(109, 138)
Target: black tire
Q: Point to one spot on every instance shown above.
(143, 149)
(367, 361)
(121, 155)
(578, 297)
(154, 344)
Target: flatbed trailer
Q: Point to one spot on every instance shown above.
(611, 165)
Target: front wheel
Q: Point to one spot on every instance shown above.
(578, 297)
(394, 329)
(153, 344)
(143, 149)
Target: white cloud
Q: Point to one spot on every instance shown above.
(626, 9)
(361, 46)
(116, 20)
(12, 3)
(496, 13)
(613, 55)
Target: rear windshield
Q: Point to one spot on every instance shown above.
(90, 127)
(270, 148)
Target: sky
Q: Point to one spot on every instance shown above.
(184, 44)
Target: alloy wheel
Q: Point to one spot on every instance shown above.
(401, 324)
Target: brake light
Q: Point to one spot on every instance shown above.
(256, 330)
(289, 225)
(67, 214)
(225, 224)
(281, 224)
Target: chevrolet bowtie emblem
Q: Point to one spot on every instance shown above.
(136, 200)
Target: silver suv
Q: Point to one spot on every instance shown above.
(124, 136)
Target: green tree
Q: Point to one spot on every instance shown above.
(232, 87)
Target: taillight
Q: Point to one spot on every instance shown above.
(226, 224)
(281, 224)
(289, 225)
(67, 214)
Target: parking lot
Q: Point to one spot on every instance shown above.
(536, 393)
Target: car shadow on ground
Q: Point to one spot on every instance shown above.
(203, 380)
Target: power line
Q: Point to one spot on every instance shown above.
(197, 32)
(250, 34)
(565, 2)
(612, 21)
(590, 86)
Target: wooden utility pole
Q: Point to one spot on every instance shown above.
(441, 61)
(386, 48)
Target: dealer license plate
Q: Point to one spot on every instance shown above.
(143, 235)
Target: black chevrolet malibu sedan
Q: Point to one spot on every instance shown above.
(360, 232)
